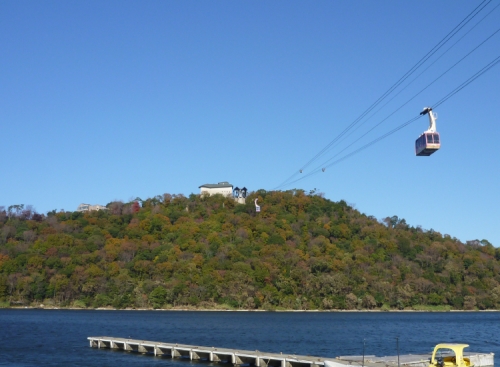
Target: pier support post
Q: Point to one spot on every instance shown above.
(260, 362)
(175, 353)
(235, 359)
(214, 357)
(193, 355)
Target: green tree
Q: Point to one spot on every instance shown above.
(157, 297)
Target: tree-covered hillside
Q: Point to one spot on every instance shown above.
(300, 252)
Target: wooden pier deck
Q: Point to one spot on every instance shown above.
(264, 359)
(210, 354)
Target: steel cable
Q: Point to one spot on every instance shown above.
(440, 44)
(471, 79)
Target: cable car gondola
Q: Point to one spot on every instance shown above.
(429, 141)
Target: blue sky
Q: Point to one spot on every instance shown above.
(103, 101)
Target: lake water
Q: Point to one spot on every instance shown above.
(59, 337)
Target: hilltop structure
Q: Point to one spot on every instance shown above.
(90, 208)
(226, 189)
(240, 194)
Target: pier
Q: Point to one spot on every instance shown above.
(264, 359)
(209, 354)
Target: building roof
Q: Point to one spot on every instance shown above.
(217, 186)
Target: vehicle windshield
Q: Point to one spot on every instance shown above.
(444, 352)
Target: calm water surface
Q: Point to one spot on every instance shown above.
(59, 337)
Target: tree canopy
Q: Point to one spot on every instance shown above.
(300, 252)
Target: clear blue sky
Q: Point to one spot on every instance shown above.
(110, 100)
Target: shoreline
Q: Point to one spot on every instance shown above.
(183, 309)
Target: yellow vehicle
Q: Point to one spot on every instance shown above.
(449, 355)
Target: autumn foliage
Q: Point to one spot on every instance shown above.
(300, 252)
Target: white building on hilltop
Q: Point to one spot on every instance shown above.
(224, 188)
(90, 208)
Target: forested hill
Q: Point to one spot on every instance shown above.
(300, 252)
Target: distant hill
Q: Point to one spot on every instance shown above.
(300, 252)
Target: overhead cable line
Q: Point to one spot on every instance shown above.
(357, 150)
(412, 98)
(423, 71)
(440, 44)
(471, 79)
(467, 82)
